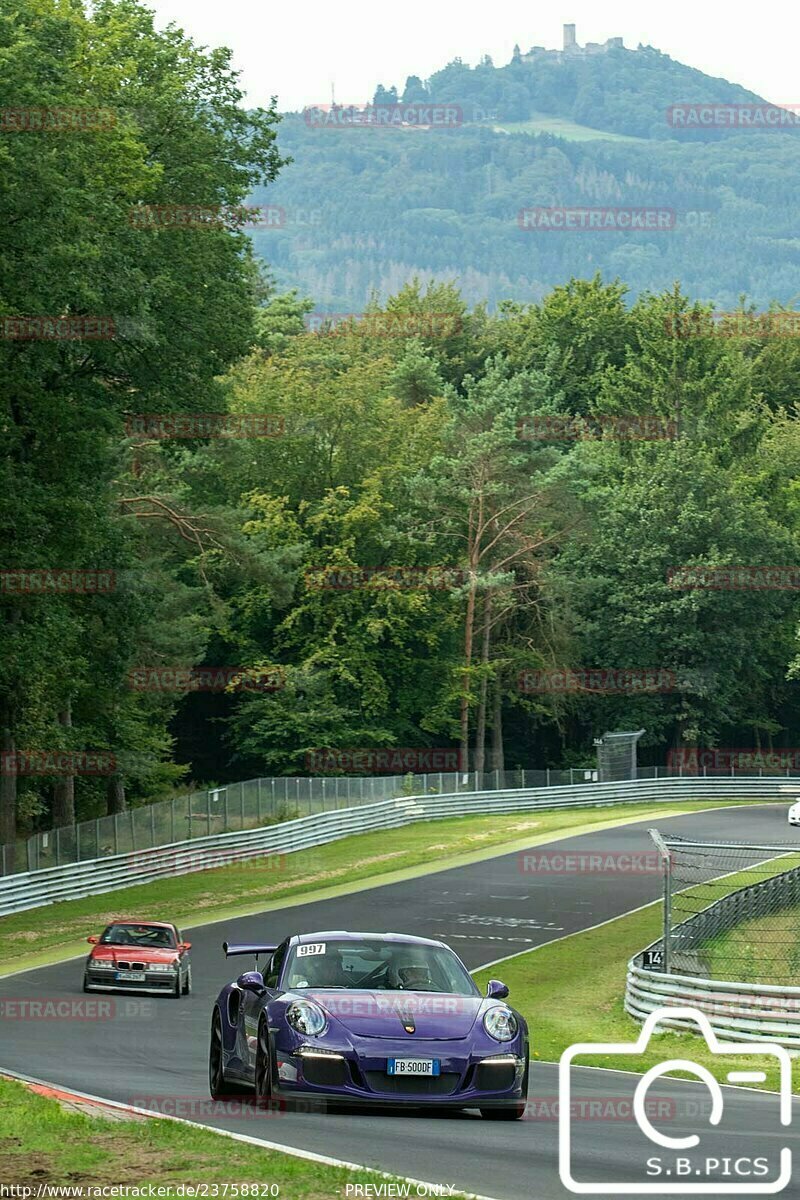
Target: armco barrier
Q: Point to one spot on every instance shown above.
(737, 1011)
(746, 1011)
(74, 880)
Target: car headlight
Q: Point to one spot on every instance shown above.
(101, 964)
(500, 1023)
(173, 966)
(306, 1017)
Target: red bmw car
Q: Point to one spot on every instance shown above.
(139, 956)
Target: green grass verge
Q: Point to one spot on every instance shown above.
(49, 934)
(572, 991)
(42, 1143)
(764, 950)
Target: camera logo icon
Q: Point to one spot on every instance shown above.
(683, 1167)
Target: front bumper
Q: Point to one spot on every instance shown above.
(358, 1076)
(155, 983)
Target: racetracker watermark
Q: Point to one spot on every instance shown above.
(56, 120)
(384, 324)
(404, 579)
(598, 862)
(393, 761)
(384, 116)
(85, 1008)
(275, 216)
(47, 581)
(412, 1005)
(206, 679)
(735, 579)
(604, 680)
(601, 1108)
(165, 426)
(183, 862)
(194, 1108)
(734, 325)
(57, 762)
(732, 760)
(564, 219)
(733, 116)
(548, 427)
(216, 216)
(57, 329)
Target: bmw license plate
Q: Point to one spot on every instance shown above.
(132, 976)
(412, 1066)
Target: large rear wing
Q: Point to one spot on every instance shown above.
(232, 949)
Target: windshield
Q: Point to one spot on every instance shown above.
(377, 966)
(144, 936)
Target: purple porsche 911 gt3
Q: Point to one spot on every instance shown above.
(368, 1018)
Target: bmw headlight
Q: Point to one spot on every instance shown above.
(306, 1017)
(102, 964)
(500, 1023)
(173, 966)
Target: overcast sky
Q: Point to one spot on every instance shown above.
(297, 50)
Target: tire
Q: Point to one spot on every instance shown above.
(218, 1086)
(86, 983)
(263, 1072)
(177, 991)
(514, 1112)
(187, 987)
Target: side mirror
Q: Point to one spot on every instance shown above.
(496, 990)
(252, 981)
(185, 946)
(93, 940)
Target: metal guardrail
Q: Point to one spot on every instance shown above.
(739, 1011)
(253, 803)
(33, 889)
(746, 1011)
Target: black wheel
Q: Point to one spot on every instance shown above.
(176, 987)
(216, 1074)
(86, 983)
(219, 1087)
(187, 987)
(514, 1112)
(263, 1079)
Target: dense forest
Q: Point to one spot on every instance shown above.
(364, 211)
(395, 531)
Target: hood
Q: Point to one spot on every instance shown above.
(151, 954)
(383, 1014)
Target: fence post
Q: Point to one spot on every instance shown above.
(571, 776)
(258, 800)
(666, 859)
(97, 837)
(172, 820)
(133, 831)
(58, 847)
(208, 811)
(77, 843)
(116, 833)
(152, 826)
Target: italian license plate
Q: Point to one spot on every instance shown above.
(412, 1066)
(132, 976)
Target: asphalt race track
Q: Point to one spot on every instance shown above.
(155, 1054)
